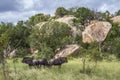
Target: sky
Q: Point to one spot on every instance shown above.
(16, 10)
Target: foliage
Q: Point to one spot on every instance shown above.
(4, 39)
(33, 20)
(61, 11)
(94, 51)
(52, 35)
(19, 36)
(107, 16)
(112, 42)
(13, 36)
(117, 13)
(21, 52)
(72, 10)
(45, 51)
(83, 14)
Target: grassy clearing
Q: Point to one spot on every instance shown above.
(1, 76)
(69, 71)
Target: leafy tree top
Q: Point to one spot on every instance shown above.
(38, 18)
(61, 11)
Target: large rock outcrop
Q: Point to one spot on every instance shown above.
(66, 19)
(96, 31)
(116, 19)
(69, 22)
(67, 50)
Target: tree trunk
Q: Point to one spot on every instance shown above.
(99, 45)
(83, 61)
(95, 64)
(4, 68)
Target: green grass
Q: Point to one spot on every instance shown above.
(69, 71)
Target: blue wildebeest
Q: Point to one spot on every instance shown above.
(33, 62)
(58, 62)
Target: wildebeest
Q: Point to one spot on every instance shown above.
(58, 62)
(34, 62)
(28, 60)
(43, 62)
(25, 59)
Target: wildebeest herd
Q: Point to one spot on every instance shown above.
(44, 62)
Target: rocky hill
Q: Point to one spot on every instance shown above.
(95, 31)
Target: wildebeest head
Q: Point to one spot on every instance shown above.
(27, 60)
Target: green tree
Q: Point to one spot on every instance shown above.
(112, 42)
(83, 14)
(19, 36)
(84, 52)
(106, 16)
(61, 11)
(94, 53)
(90, 51)
(117, 13)
(72, 10)
(51, 36)
(33, 20)
(4, 41)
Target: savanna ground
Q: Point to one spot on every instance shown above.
(69, 71)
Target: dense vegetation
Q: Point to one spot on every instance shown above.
(52, 35)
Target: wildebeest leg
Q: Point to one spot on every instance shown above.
(35, 66)
(48, 66)
(59, 66)
(39, 65)
(44, 66)
(29, 66)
